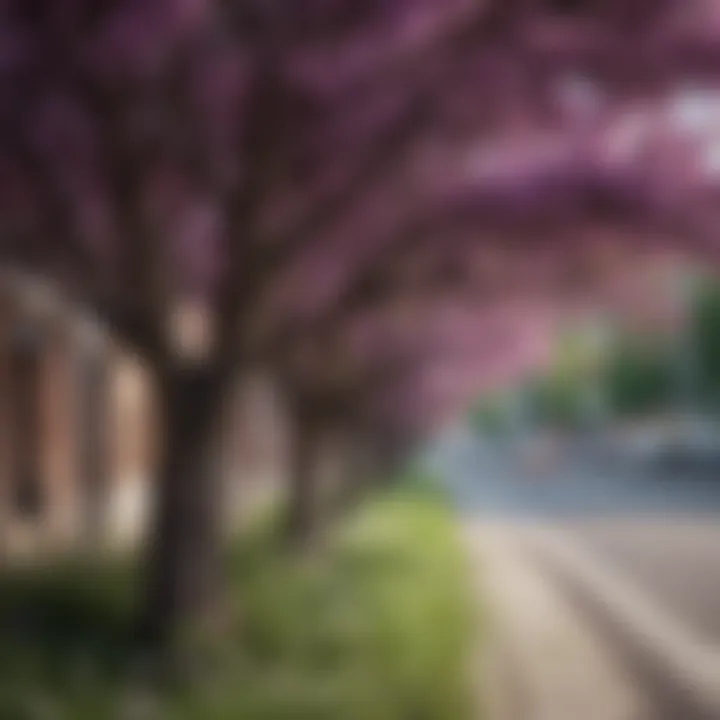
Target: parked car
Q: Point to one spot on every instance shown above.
(688, 442)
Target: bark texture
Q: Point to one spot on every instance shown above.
(302, 518)
(184, 573)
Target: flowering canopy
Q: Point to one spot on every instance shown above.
(254, 155)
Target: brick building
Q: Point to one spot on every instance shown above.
(77, 436)
(75, 421)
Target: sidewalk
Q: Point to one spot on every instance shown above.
(541, 660)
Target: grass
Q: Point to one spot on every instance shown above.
(374, 626)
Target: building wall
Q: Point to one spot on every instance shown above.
(253, 450)
(66, 346)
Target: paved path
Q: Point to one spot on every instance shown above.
(624, 546)
(542, 660)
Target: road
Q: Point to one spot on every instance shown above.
(657, 535)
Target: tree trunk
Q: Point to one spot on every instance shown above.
(357, 477)
(184, 573)
(92, 433)
(392, 451)
(301, 520)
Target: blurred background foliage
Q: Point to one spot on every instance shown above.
(619, 374)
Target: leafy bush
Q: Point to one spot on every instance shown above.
(376, 625)
(638, 377)
(556, 400)
(705, 333)
(489, 416)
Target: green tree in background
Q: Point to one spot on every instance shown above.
(489, 415)
(638, 376)
(705, 334)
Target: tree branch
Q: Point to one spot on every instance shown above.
(245, 203)
(123, 163)
(58, 231)
(385, 153)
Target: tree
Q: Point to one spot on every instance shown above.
(166, 159)
(705, 339)
(380, 382)
(638, 376)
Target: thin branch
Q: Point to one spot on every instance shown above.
(244, 205)
(370, 285)
(123, 164)
(385, 153)
(58, 230)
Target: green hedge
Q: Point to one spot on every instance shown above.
(375, 625)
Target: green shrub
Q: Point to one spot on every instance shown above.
(705, 334)
(639, 377)
(375, 625)
(556, 400)
(488, 417)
